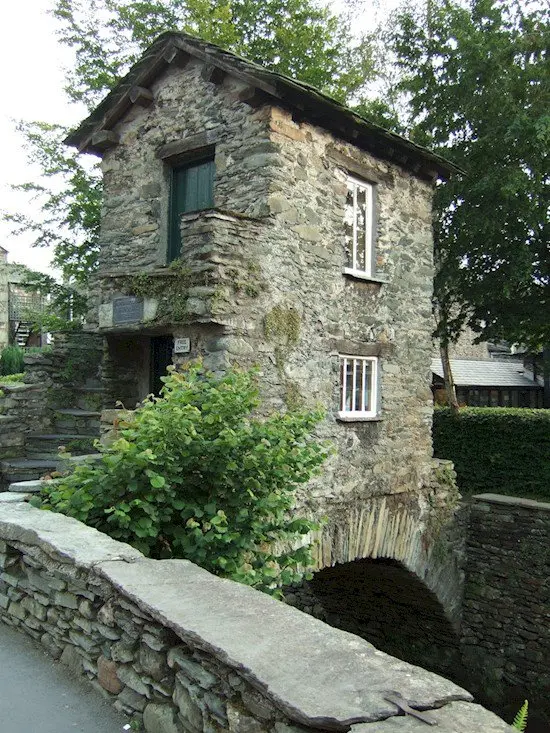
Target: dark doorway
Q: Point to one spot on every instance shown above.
(161, 359)
(384, 603)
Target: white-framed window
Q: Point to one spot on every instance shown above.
(359, 227)
(358, 386)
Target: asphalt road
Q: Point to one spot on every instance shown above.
(38, 695)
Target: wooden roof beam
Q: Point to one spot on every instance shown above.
(213, 73)
(103, 140)
(176, 56)
(141, 96)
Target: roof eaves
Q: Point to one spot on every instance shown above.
(304, 98)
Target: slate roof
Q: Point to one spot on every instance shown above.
(304, 99)
(486, 373)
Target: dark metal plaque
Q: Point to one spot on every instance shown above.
(127, 310)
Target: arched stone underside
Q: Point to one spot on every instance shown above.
(420, 531)
(384, 603)
(390, 571)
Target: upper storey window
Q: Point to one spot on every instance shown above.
(191, 189)
(359, 228)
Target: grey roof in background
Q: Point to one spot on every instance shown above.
(487, 373)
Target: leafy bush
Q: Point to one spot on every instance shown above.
(12, 378)
(194, 475)
(11, 360)
(498, 450)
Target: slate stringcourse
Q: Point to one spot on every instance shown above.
(264, 666)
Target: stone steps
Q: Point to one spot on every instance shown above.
(32, 469)
(77, 421)
(15, 470)
(89, 398)
(43, 445)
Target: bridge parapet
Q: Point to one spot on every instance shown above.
(184, 650)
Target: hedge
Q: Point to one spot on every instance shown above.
(499, 450)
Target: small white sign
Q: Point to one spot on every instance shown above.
(182, 346)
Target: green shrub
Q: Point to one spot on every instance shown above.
(11, 360)
(496, 449)
(194, 475)
(12, 378)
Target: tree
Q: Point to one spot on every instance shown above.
(296, 37)
(477, 77)
(195, 474)
(69, 197)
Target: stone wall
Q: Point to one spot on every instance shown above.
(21, 412)
(506, 613)
(55, 378)
(265, 273)
(182, 650)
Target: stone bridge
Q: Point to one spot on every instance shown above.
(181, 650)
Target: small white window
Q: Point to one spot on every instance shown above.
(358, 227)
(358, 386)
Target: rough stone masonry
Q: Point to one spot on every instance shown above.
(506, 610)
(183, 651)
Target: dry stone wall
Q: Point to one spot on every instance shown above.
(506, 611)
(182, 650)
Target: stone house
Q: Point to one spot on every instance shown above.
(249, 218)
(16, 302)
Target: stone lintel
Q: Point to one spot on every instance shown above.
(355, 166)
(362, 348)
(511, 501)
(192, 144)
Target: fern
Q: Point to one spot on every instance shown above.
(520, 721)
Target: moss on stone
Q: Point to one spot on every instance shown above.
(282, 326)
(171, 290)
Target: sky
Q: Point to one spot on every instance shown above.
(33, 90)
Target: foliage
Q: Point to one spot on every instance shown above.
(299, 38)
(11, 360)
(194, 475)
(520, 721)
(171, 289)
(68, 196)
(477, 77)
(496, 449)
(12, 378)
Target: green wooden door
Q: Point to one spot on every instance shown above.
(191, 189)
(161, 358)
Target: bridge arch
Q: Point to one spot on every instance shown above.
(423, 535)
(390, 571)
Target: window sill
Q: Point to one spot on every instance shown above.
(350, 417)
(360, 275)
